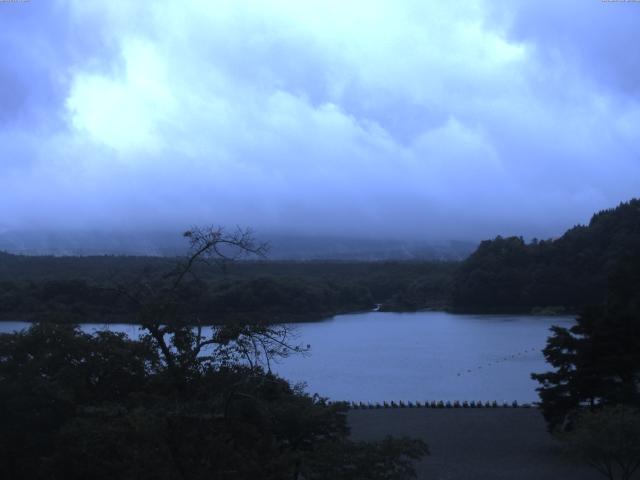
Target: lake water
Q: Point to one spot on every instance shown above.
(418, 356)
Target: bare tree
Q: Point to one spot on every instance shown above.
(189, 341)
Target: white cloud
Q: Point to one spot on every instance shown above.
(349, 117)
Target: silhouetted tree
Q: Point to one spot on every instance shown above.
(188, 400)
(507, 274)
(597, 361)
(608, 440)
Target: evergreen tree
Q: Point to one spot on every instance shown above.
(507, 274)
(597, 361)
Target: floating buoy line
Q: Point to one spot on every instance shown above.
(507, 358)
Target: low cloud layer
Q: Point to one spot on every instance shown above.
(429, 120)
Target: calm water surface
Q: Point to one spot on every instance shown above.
(421, 356)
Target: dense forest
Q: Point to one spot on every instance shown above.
(502, 275)
(571, 272)
(86, 288)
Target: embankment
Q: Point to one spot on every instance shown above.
(474, 444)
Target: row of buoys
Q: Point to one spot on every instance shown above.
(437, 404)
(500, 360)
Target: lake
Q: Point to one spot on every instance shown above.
(417, 356)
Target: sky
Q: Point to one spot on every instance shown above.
(391, 119)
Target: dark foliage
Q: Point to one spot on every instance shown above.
(79, 289)
(183, 402)
(597, 362)
(608, 440)
(75, 406)
(507, 274)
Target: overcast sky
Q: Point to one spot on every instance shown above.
(424, 119)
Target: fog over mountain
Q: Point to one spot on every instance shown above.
(414, 121)
(279, 247)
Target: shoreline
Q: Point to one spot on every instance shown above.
(280, 318)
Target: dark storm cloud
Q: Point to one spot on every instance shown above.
(423, 119)
(600, 38)
(41, 46)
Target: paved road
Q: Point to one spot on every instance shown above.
(475, 444)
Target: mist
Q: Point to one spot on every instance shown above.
(416, 120)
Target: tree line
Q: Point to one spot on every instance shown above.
(178, 403)
(31, 289)
(571, 272)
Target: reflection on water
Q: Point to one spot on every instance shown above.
(421, 356)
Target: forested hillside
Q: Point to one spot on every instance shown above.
(502, 275)
(85, 288)
(508, 274)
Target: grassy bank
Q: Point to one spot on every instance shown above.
(475, 444)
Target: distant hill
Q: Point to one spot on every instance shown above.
(508, 274)
(282, 247)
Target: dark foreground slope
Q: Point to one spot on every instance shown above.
(508, 274)
(475, 444)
